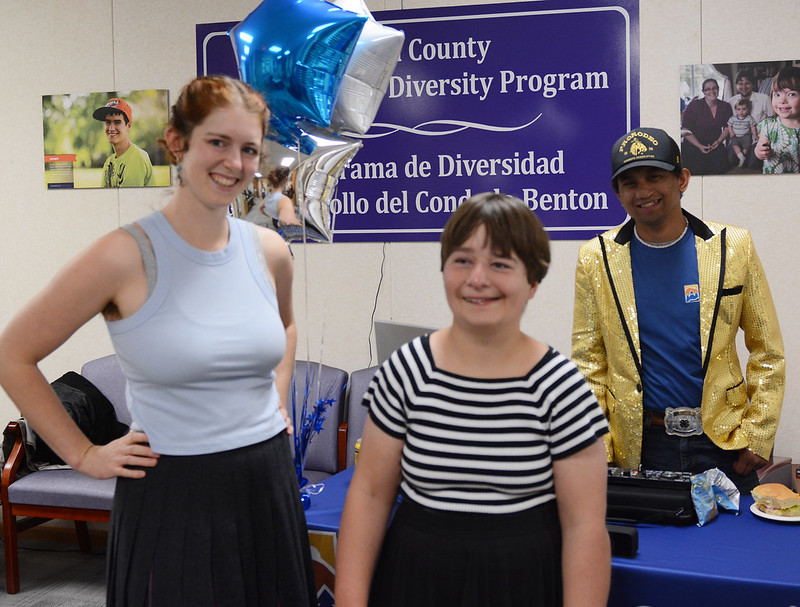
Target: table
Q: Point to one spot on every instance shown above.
(733, 560)
(326, 507)
(322, 519)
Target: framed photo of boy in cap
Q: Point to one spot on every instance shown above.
(105, 139)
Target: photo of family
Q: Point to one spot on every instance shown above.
(105, 139)
(741, 118)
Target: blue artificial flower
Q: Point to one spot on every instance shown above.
(311, 420)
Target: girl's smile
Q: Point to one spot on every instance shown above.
(786, 104)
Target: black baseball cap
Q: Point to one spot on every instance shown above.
(644, 147)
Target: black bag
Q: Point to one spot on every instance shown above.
(89, 408)
(650, 497)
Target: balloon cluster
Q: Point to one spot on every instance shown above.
(323, 69)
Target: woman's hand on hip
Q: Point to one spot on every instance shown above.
(121, 457)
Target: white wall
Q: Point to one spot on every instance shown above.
(93, 45)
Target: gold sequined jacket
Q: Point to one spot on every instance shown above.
(737, 411)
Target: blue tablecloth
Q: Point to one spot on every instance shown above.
(733, 561)
(326, 507)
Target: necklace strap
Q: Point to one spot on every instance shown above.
(661, 245)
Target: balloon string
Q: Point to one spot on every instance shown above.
(306, 302)
(305, 267)
(332, 220)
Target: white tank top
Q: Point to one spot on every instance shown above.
(200, 354)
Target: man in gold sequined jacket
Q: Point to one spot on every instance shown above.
(666, 371)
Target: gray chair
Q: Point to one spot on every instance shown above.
(356, 415)
(322, 382)
(58, 494)
(778, 470)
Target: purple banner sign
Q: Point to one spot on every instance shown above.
(523, 98)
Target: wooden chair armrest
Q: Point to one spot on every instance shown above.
(14, 460)
(341, 450)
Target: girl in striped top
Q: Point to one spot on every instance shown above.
(489, 436)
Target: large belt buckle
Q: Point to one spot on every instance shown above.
(683, 421)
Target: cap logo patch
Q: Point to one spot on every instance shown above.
(637, 147)
(637, 144)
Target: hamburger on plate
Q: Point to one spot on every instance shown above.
(777, 499)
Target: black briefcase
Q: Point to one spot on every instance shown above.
(650, 496)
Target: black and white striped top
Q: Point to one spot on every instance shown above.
(482, 445)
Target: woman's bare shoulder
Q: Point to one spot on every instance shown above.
(116, 249)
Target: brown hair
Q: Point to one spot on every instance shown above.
(744, 73)
(277, 176)
(787, 78)
(204, 95)
(510, 227)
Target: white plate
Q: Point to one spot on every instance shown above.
(773, 517)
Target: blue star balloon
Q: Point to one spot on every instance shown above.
(294, 52)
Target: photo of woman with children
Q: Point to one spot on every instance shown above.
(741, 118)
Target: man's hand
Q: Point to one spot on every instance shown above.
(747, 462)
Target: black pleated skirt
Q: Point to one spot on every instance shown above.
(219, 529)
(432, 559)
